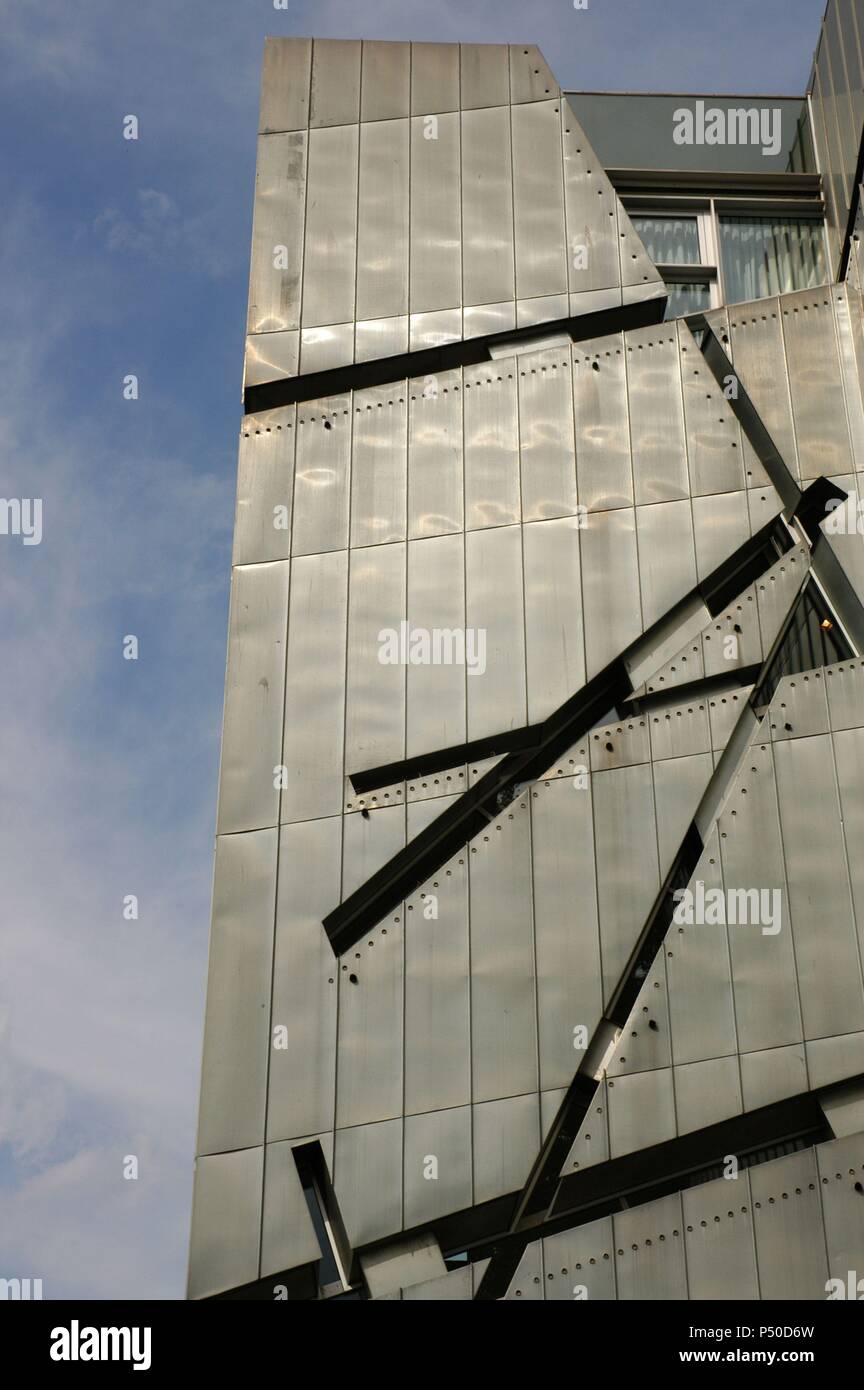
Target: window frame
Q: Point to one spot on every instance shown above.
(708, 210)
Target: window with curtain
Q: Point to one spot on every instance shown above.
(669, 240)
(692, 297)
(770, 255)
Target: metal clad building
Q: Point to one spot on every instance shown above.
(537, 891)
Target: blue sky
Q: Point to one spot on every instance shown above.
(125, 257)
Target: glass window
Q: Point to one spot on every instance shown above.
(669, 240)
(687, 298)
(770, 255)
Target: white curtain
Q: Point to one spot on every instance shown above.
(770, 255)
(669, 240)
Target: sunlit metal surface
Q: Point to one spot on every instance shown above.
(570, 503)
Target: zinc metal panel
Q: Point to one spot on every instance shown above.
(506, 1142)
(226, 1221)
(667, 558)
(435, 473)
(436, 699)
(382, 226)
(591, 1145)
(818, 404)
(839, 176)
(433, 786)
(772, 1075)
(375, 710)
(367, 1177)
(234, 1065)
(841, 1167)
(713, 446)
(619, 744)
(684, 667)
(270, 356)
(455, 1287)
(548, 469)
(277, 233)
(254, 697)
(643, 1043)
(649, 1251)
(550, 1104)
(735, 639)
(313, 733)
(301, 1091)
(847, 109)
(285, 78)
(491, 447)
(678, 730)
(603, 466)
(322, 476)
(626, 856)
(386, 80)
(699, 974)
(724, 711)
(371, 976)
(777, 591)
(763, 966)
(610, 586)
(641, 1111)
(836, 1059)
(482, 320)
(707, 1092)
(679, 786)
(721, 1255)
(380, 338)
(790, 1237)
(531, 78)
(436, 262)
(420, 813)
(331, 226)
(553, 615)
(494, 604)
(819, 903)
(845, 686)
(438, 990)
(721, 523)
(538, 200)
(434, 78)
(583, 1259)
(335, 82)
(565, 923)
(764, 504)
(527, 1282)
(799, 707)
(487, 207)
(503, 984)
(848, 324)
(323, 348)
(379, 466)
(542, 309)
(759, 358)
(265, 489)
(656, 415)
(437, 1164)
(849, 755)
(434, 329)
(594, 301)
(484, 75)
(288, 1237)
(590, 209)
(368, 842)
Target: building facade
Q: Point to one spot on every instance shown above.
(538, 911)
